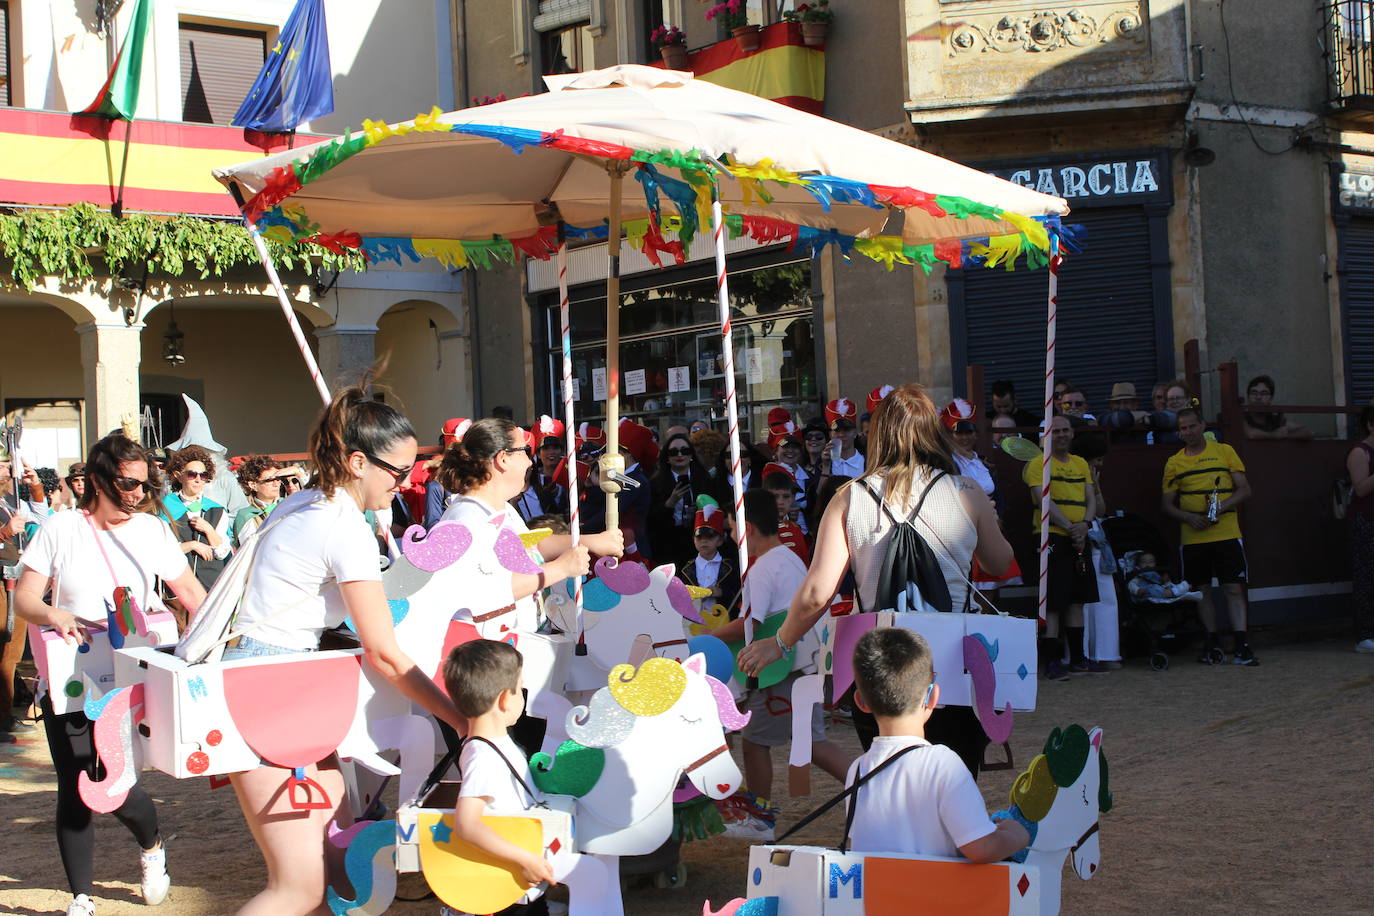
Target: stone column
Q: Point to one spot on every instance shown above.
(345, 353)
(110, 356)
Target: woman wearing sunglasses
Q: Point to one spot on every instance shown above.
(316, 563)
(112, 541)
(200, 523)
(677, 482)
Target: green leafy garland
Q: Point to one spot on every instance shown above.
(62, 243)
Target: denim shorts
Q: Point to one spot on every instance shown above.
(249, 647)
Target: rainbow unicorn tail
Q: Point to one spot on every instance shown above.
(371, 867)
(125, 617)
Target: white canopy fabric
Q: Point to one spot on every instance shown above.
(435, 183)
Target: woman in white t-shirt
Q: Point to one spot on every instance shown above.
(907, 450)
(111, 541)
(316, 563)
(487, 469)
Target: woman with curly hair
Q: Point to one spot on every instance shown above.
(200, 523)
(260, 476)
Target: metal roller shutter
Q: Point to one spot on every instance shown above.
(1106, 325)
(4, 53)
(218, 67)
(1357, 282)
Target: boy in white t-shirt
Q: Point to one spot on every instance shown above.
(774, 577)
(926, 802)
(483, 680)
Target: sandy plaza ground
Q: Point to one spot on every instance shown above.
(1236, 790)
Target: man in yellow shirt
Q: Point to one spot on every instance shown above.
(1203, 485)
(1072, 579)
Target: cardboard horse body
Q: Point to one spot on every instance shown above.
(1058, 798)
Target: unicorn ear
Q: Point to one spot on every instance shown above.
(665, 572)
(696, 664)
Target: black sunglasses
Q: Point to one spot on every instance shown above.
(679, 452)
(964, 426)
(391, 469)
(520, 448)
(816, 437)
(130, 484)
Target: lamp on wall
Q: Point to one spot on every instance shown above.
(172, 349)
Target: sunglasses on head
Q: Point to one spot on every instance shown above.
(130, 484)
(679, 453)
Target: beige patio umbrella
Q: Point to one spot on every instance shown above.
(455, 184)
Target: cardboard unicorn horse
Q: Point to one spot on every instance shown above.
(1058, 799)
(629, 747)
(293, 710)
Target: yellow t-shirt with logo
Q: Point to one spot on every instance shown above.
(1068, 487)
(1194, 477)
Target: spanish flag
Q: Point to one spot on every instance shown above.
(782, 69)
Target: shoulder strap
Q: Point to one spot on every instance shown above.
(916, 512)
(849, 790)
(515, 774)
(105, 556)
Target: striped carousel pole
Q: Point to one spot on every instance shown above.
(1052, 319)
(569, 428)
(731, 406)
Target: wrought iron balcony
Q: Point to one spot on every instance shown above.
(1349, 27)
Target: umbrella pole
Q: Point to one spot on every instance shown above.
(569, 430)
(1046, 438)
(611, 462)
(285, 302)
(731, 407)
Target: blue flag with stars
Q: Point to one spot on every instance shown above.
(296, 83)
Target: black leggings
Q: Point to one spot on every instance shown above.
(71, 742)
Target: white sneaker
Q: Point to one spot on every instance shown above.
(1365, 647)
(750, 828)
(156, 882)
(81, 905)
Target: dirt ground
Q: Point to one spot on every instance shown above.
(1237, 789)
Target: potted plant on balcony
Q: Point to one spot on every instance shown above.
(672, 44)
(815, 19)
(734, 17)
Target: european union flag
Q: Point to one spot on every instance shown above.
(296, 83)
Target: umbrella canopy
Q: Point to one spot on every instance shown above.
(452, 176)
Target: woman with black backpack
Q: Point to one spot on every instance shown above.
(910, 477)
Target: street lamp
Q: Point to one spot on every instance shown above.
(172, 349)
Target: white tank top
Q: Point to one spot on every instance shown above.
(944, 523)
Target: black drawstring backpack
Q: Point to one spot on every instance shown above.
(910, 578)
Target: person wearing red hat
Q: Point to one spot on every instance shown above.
(677, 482)
(844, 458)
(788, 451)
(640, 451)
(542, 494)
(589, 437)
(876, 396)
(710, 568)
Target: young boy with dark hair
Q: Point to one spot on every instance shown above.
(775, 574)
(792, 531)
(926, 803)
(483, 678)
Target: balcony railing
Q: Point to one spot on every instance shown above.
(1349, 26)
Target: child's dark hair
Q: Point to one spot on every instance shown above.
(761, 511)
(780, 480)
(555, 523)
(476, 672)
(353, 422)
(467, 462)
(892, 670)
(102, 467)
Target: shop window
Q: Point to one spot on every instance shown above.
(218, 66)
(671, 356)
(5, 75)
(567, 50)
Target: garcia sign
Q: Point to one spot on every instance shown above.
(1115, 179)
(1354, 190)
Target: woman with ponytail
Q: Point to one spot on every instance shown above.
(487, 469)
(317, 563)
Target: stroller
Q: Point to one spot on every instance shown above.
(1149, 626)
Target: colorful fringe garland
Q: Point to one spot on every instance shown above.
(689, 194)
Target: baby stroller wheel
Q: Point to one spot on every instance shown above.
(1217, 656)
(675, 878)
(1159, 662)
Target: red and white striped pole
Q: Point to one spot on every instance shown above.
(731, 407)
(1046, 438)
(569, 428)
(285, 302)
